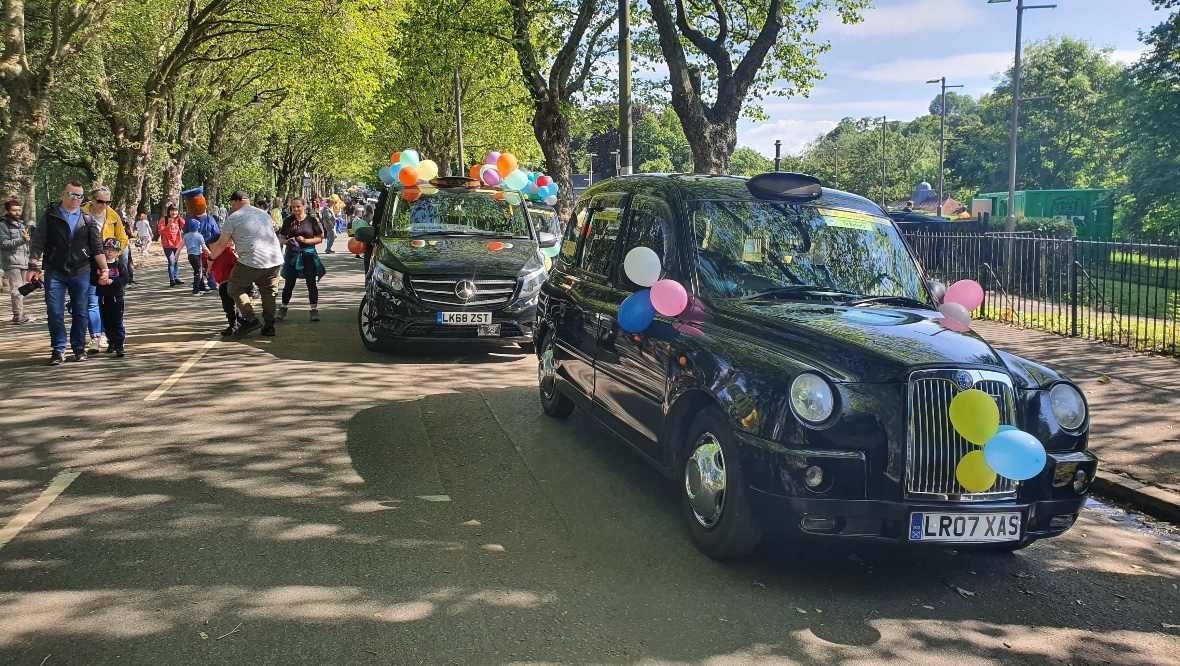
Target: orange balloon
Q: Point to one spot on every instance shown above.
(498, 194)
(506, 164)
(411, 193)
(355, 246)
(474, 173)
(408, 176)
(397, 157)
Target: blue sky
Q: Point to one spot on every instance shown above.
(879, 67)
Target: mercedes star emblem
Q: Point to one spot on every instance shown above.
(465, 290)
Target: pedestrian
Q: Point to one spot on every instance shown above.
(112, 228)
(222, 268)
(260, 257)
(194, 244)
(143, 235)
(328, 222)
(71, 242)
(276, 213)
(197, 208)
(171, 229)
(14, 256)
(300, 234)
(110, 297)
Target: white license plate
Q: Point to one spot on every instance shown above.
(485, 330)
(464, 318)
(964, 527)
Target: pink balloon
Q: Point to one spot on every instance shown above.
(668, 297)
(967, 293)
(492, 158)
(689, 329)
(491, 176)
(955, 317)
(694, 313)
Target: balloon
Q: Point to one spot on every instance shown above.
(956, 313)
(636, 313)
(551, 251)
(642, 266)
(938, 291)
(411, 193)
(495, 245)
(396, 157)
(534, 190)
(491, 176)
(515, 180)
(966, 293)
(669, 298)
(427, 169)
(551, 200)
(975, 416)
(491, 158)
(474, 172)
(506, 163)
(953, 325)
(394, 171)
(408, 176)
(385, 175)
(544, 180)
(1015, 454)
(553, 188)
(409, 157)
(355, 246)
(974, 474)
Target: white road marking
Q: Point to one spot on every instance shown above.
(435, 498)
(184, 367)
(34, 508)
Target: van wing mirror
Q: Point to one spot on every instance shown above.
(546, 239)
(365, 234)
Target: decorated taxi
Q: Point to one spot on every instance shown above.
(453, 258)
(773, 347)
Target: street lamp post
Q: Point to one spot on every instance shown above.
(618, 165)
(884, 125)
(590, 171)
(1010, 221)
(837, 183)
(624, 164)
(778, 148)
(942, 139)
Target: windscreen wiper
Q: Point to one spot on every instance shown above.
(899, 300)
(796, 290)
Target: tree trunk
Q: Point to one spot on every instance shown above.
(28, 120)
(552, 130)
(174, 175)
(711, 142)
(133, 158)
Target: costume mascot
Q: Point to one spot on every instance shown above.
(197, 211)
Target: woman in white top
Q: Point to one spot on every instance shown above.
(143, 234)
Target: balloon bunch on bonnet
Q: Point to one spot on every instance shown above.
(406, 168)
(1006, 450)
(958, 302)
(503, 170)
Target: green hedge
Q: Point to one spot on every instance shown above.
(1041, 226)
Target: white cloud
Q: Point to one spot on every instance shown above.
(907, 19)
(811, 111)
(793, 133)
(956, 68)
(1127, 56)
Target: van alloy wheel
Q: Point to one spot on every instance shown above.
(547, 373)
(704, 480)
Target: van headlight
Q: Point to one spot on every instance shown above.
(1068, 406)
(811, 398)
(389, 278)
(530, 283)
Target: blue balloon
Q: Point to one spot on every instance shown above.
(1015, 454)
(553, 188)
(637, 313)
(385, 175)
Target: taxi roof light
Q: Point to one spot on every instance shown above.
(454, 181)
(784, 185)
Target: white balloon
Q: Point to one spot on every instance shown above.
(642, 266)
(551, 200)
(956, 312)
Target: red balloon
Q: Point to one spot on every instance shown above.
(543, 181)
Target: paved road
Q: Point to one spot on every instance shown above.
(299, 500)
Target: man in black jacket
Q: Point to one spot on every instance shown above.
(69, 243)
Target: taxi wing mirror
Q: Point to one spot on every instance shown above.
(546, 239)
(365, 234)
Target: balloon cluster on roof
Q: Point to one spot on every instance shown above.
(407, 169)
(502, 170)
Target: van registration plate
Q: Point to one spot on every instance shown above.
(965, 527)
(464, 318)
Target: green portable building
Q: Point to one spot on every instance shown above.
(1091, 210)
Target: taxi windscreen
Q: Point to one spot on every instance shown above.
(470, 213)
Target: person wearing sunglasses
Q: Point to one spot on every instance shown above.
(112, 227)
(69, 241)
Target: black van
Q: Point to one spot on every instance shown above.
(451, 261)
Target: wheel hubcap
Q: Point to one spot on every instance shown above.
(704, 480)
(546, 372)
(367, 323)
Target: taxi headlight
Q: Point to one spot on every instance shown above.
(530, 283)
(1068, 406)
(811, 398)
(389, 278)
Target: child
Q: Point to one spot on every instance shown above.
(194, 242)
(110, 297)
(222, 265)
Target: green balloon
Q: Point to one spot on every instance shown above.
(551, 252)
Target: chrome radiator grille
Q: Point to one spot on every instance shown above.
(934, 448)
(444, 290)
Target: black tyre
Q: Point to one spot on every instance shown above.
(552, 401)
(371, 340)
(528, 348)
(714, 490)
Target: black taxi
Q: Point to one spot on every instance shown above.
(451, 261)
(805, 387)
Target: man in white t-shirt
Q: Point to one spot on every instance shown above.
(260, 258)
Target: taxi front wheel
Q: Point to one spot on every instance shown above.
(714, 490)
(552, 401)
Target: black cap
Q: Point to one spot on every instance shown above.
(239, 195)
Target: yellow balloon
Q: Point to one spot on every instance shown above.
(974, 474)
(975, 416)
(427, 169)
